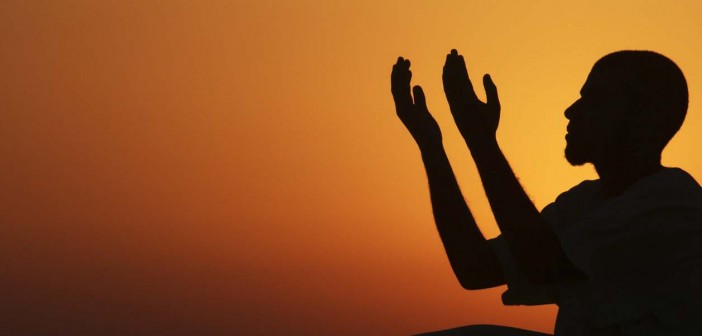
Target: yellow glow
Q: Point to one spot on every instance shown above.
(237, 167)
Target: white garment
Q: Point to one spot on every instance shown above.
(641, 253)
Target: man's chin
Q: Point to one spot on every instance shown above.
(575, 158)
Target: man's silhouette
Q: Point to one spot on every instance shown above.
(621, 255)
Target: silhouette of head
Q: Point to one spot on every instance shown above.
(631, 105)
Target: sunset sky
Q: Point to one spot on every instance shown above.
(237, 167)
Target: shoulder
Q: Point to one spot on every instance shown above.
(586, 189)
(572, 202)
(677, 181)
(670, 193)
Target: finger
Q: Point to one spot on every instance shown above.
(403, 62)
(459, 73)
(401, 75)
(401, 91)
(491, 91)
(400, 85)
(463, 70)
(450, 58)
(450, 65)
(448, 62)
(420, 100)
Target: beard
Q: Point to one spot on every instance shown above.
(576, 153)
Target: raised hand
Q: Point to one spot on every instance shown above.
(477, 121)
(414, 115)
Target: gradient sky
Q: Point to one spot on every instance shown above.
(236, 167)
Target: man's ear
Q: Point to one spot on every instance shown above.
(649, 128)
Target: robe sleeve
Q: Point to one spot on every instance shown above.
(519, 290)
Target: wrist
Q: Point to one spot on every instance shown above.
(482, 143)
(429, 144)
(432, 150)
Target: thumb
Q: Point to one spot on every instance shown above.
(491, 91)
(420, 100)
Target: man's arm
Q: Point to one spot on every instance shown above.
(472, 259)
(534, 245)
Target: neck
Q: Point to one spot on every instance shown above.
(619, 173)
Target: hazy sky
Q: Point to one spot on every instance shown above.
(237, 168)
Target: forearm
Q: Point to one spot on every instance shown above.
(533, 243)
(472, 259)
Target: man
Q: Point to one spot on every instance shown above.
(621, 255)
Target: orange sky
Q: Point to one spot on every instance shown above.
(221, 168)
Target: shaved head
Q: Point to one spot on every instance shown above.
(632, 101)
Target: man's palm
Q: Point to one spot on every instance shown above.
(414, 115)
(475, 119)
